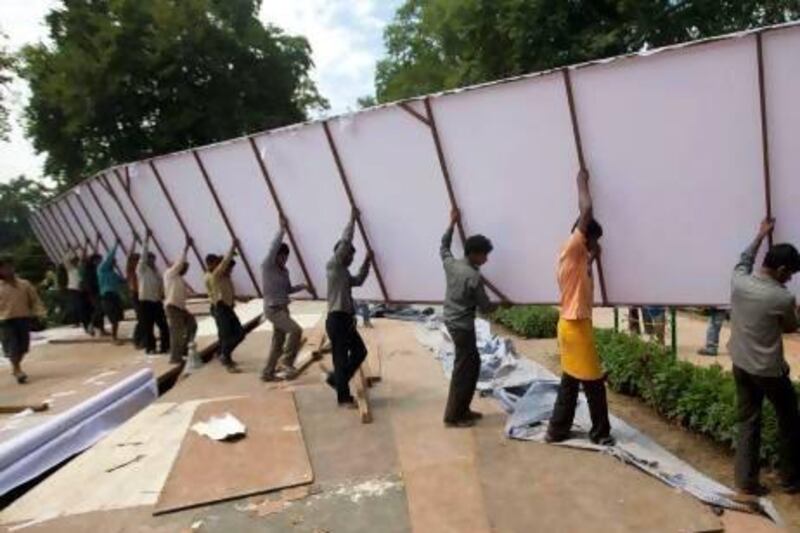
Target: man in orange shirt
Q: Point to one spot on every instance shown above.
(580, 364)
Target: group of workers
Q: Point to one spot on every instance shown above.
(762, 309)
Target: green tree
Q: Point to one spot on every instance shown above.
(441, 44)
(129, 79)
(17, 199)
(7, 64)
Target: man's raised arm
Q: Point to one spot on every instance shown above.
(748, 257)
(447, 238)
(347, 238)
(585, 207)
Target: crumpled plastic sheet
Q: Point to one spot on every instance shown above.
(225, 427)
(527, 392)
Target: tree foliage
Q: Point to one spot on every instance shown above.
(441, 44)
(128, 79)
(7, 63)
(18, 198)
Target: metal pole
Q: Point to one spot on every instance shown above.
(110, 190)
(674, 331)
(177, 214)
(582, 162)
(616, 319)
(349, 193)
(227, 221)
(274, 193)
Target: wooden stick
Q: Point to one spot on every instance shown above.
(177, 214)
(762, 100)
(405, 106)
(582, 162)
(107, 219)
(11, 409)
(449, 184)
(274, 193)
(227, 221)
(349, 193)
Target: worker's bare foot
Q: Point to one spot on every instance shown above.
(465, 423)
(349, 404)
(473, 415)
(21, 377)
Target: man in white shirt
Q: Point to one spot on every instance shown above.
(182, 325)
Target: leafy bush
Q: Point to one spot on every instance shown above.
(529, 321)
(697, 398)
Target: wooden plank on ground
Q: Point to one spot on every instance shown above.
(362, 396)
(272, 456)
(372, 365)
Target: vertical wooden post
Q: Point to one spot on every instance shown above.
(582, 162)
(227, 221)
(349, 193)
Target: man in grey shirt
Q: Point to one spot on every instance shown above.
(762, 310)
(151, 296)
(464, 297)
(347, 347)
(277, 287)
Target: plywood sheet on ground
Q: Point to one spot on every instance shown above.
(208, 471)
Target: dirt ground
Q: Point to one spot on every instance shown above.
(701, 452)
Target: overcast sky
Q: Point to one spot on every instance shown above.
(346, 37)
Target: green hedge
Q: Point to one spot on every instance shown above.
(702, 399)
(529, 321)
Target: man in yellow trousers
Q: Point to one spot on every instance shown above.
(580, 364)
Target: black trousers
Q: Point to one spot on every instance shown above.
(138, 329)
(567, 401)
(750, 393)
(15, 337)
(466, 371)
(229, 330)
(153, 315)
(348, 352)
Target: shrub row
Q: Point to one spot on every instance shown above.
(701, 399)
(529, 321)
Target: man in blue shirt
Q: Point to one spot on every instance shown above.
(109, 286)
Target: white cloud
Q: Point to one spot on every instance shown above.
(345, 36)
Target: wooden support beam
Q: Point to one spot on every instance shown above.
(349, 193)
(126, 187)
(78, 220)
(582, 162)
(227, 222)
(108, 221)
(103, 178)
(43, 239)
(92, 221)
(762, 100)
(177, 214)
(67, 223)
(408, 108)
(41, 219)
(449, 185)
(57, 229)
(276, 200)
